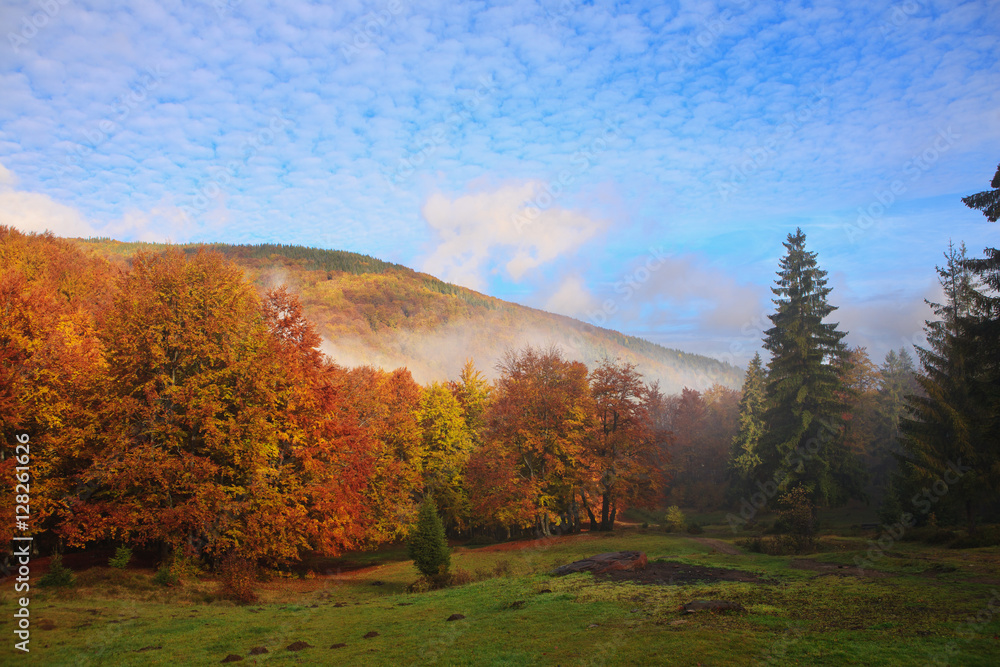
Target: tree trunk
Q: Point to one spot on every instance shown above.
(590, 512)
(605, 509)
(614, 513)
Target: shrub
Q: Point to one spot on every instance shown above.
(427, 545)
(695, 529)
(776, 545)
(237, 576)
(986, 537)
(461, 577)
(795, 519)
(121, 558)
(165, 576)
(674, 520)
(502, 568)
(58, 576)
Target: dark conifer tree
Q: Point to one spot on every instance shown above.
(802, 443)
(954, 432)
(947, 431)
(983, 328)
(427, 545)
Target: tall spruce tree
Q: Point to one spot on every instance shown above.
(947, 433)
(744, 457)
(983, 327)
(955, 426)
(802, 442)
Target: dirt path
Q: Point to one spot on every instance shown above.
(718, 545)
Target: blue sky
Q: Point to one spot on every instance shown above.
(635, 165)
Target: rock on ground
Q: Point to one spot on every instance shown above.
(606, 562)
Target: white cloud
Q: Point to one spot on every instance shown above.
(35, 212)
(571, 298)
(517, 227)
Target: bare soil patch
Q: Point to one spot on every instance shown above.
(668, 573)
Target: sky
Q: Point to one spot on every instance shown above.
(634, 165)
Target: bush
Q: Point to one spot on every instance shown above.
(674, 520)
(427, 545)
(778, 545)
(986, 537)
(165, 576)
(461, 577)
(121, 558)
(58, 576)
(502, 568)
(890, 510)
(695, 529)
(237, 576)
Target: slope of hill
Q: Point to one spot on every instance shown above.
(374, 312)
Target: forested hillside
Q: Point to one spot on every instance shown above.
(373, 312)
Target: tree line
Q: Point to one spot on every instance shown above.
(173, 406)
(821, 420)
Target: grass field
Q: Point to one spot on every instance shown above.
(911, 607)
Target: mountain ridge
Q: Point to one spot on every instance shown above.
(373, 312)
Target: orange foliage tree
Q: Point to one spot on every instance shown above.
(538, 423)
(50, 365)
(225, 429)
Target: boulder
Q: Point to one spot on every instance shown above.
(606, 562)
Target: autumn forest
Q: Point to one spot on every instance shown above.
(174, 404)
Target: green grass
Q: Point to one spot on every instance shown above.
(915, 613)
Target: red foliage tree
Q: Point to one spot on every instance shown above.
(623, 447)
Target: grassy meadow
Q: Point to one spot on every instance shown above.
(912, 607)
